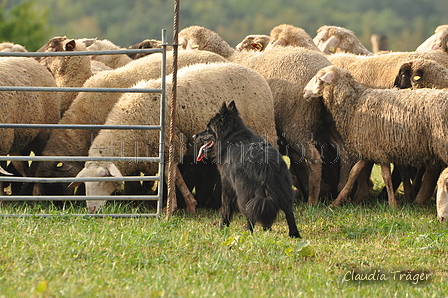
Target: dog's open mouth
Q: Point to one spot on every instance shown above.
(204, 148)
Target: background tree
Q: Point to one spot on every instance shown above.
(406, 23)
(25, 24)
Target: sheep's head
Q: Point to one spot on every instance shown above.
(421, 73)
(253, 43)
(315, 86)
(98, 188)
(441, 38)
(288, 35)
(442, 196)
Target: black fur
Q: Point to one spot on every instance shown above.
(253, 173)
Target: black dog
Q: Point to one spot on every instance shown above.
(253, 173)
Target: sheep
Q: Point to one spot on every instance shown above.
(253, 42)
(442, 196)
(26, 107)
(203, 39)
(380, 71)
(69, 71)
(200, 92)
(404, 127)
(146, 44)
(437, 41)
(11, 47)
(333, 39)
(93, 108)
(287, 70)
(289, 35)
(113, 61)
(422, 73)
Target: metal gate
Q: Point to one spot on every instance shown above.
(160, 127)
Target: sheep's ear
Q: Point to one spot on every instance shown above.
(280, 43)
(327, 77)
(113, 170)
(70, 46)
(329, 47)
(4, 172)
(81, 174)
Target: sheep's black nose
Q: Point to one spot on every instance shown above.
(194, 137)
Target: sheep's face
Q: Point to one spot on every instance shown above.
(98, 188)
(256, 43)
(442, 196)
(315, 86)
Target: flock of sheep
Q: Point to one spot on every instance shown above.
(332, 106)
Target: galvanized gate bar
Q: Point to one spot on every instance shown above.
(78, 158)
(79, 198)
(82, 53)
(160, 127)
(80, 89)
(83, 179)
(81, 126)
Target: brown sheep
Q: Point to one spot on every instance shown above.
(442, 196)
(422, 73)
(69, 71)
(93, 108)
(26, 107)
(254, 42)
(146, 44)
(380, 71)
(437, 41)
(201, 90)
(333, 39)
(11, 47)
(404, 127)
(287, 70)
(288, 35)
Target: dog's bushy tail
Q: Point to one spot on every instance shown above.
(262, 208)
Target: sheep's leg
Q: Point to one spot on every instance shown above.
(188, 197)
(364, 184)
(409, 193)
(387, 177)
(315, 170)
(353, 175)
(429, 182)
(417, 179)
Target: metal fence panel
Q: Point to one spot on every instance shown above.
(161, 128)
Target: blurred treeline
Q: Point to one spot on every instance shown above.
(406, 23)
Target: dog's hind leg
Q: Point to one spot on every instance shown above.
(293, 231)
(250, 225)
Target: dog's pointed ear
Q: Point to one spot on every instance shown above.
(232, 106)
(223, 108)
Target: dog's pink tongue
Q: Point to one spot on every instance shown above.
(201, 153)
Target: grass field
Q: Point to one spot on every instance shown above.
(402, 253)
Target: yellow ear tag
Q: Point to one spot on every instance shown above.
(331, 49)
(416, 78)
(195, 46)
(59, 165)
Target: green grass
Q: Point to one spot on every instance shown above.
(190, 256)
